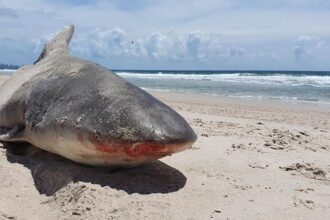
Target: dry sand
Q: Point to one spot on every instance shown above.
(253, 160)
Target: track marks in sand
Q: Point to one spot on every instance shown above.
(86, 201)
(73, 200)
(308, 170)
(256, 165)
(241, 147)
(89, 201)
(286, 140)
(215, 128)
(259, 136)
(304, 202)
(7, 216)
(273, 113)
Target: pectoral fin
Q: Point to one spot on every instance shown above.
(12, 134)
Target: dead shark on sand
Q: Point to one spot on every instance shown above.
(84, 112)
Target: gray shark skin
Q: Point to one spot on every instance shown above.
(84, 112)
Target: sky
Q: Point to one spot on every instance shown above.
(174, 34)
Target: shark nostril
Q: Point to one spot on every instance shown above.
(97, 136)
(139, 149)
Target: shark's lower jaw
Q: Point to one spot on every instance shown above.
(134, 151)
(133, 154)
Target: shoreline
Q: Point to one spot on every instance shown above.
(175, 96)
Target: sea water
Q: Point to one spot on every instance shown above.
(284, 85)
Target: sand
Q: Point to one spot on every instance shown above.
(254, 159)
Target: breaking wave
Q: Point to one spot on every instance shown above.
(251, 78)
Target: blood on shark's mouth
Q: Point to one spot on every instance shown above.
(132, 151)
(142, 149)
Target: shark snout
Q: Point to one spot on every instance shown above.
(170, 131)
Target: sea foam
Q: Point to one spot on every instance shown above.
(252, 78)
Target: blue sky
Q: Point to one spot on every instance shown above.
(174, 34)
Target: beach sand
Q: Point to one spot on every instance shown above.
(254, 159)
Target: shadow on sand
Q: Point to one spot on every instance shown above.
(51, 173)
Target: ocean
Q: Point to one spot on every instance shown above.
(280, 85)
(309, 86)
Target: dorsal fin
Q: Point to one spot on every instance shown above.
(59, 45)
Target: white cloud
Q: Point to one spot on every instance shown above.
(101, 43)
(274, 56)
(156, 45)
(323, 45)
(300, 51)
(194, 47)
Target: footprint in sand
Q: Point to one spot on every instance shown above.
(304, 202)
(258, 165)
(285, 140)
(308, 170)
(305, 190)
(7, 216)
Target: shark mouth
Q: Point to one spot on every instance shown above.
(116, 150)
(141, 149)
